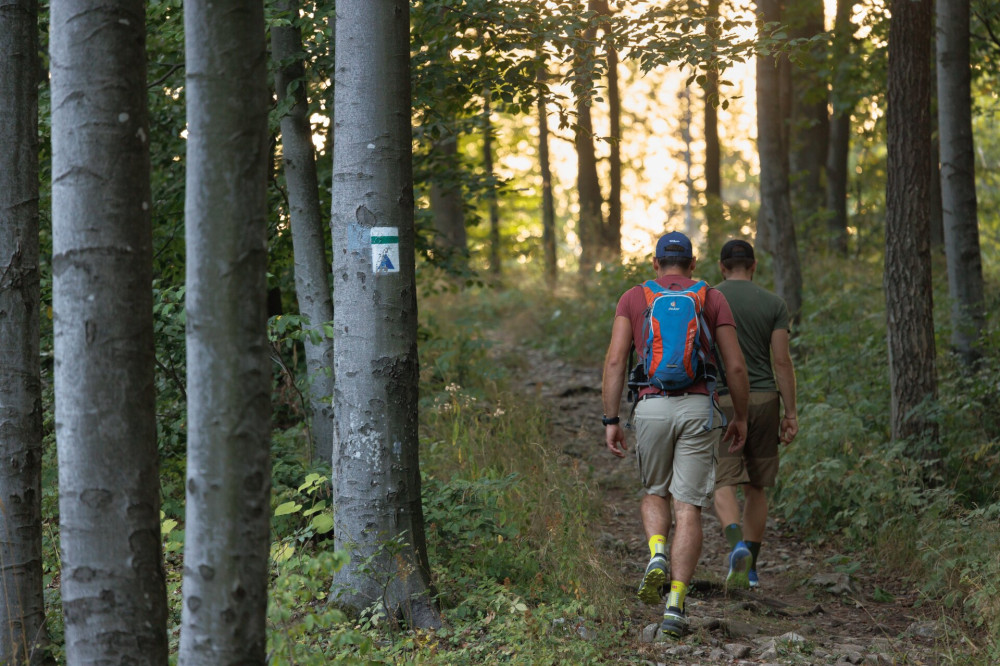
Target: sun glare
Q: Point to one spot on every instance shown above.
(662, 148)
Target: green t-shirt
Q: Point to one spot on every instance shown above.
(758, 313)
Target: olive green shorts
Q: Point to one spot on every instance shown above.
(757, 462)
(674, 451)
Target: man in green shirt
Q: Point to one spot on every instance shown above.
(762, 327)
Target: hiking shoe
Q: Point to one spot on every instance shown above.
(752, 578)
(674, 622)
(654, 579)
(739, 565)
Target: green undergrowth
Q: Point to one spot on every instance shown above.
(508, 519)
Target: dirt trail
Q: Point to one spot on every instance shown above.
(806, 610)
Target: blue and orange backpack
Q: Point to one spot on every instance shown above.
(676, 342)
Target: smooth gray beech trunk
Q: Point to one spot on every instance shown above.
(22, 612)
(113, 584)
(774, 219)
(229, 379)
(958, 178)
(378, 512)
(907, 279)
(312, 271)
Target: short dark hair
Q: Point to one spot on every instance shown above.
(683, 262)
(737, 262)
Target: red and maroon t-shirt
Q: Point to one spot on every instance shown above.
(632, 305)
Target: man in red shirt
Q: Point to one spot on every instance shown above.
(675, 445)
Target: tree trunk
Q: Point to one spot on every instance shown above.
(496, 267)
(378, 505)
(958, 180)
(548, 203)
(713, 150)
(809, 127)
(908, 293)
(312, 271)
(591, 218)
(229, 377)
(22, 613)
(447, 207)
(775, 216)
(935, 212)
(838, 150)
(613, 226)
(112, 581)
(590, 223)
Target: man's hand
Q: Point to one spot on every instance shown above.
(615, 439)
(789, 429)
(736, 435)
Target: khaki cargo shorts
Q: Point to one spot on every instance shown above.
(757, 462)
(674, 451)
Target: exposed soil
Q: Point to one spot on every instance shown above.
(806, 611)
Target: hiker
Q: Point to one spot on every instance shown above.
(676, 430)
(762, 322)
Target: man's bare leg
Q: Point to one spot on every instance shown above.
(686, 548)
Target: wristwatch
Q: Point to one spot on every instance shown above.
(612, 420)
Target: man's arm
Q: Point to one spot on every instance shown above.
(613, 381)
(738, 382)
(784, 375)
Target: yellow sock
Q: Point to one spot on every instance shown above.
(657, 544)
(678, 592)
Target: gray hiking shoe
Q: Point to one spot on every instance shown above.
(654, 579)
(674, 622)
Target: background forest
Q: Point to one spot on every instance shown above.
(186, 402)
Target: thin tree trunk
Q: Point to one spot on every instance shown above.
(713, 149)
(112, 581)
(958, 180)
(229, 378)
(809, 126)
(838, 150)
(590, 223)
(909, 305)
(935, 205)
(591, 220)
(613, 226)
(775, 215)
(496, 268)
(378, 506)
(447, 206)
(312, 271)
(686, 119)
(548, 203)
(22, 613)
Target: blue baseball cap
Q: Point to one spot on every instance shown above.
(674, 245)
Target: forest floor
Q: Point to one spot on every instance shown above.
(815, 604)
